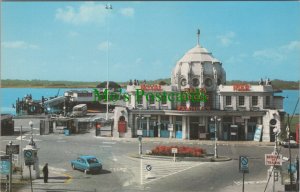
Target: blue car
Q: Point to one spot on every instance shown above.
(87, 163)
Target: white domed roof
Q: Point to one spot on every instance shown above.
(198, 54)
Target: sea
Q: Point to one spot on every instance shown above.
(8, 97)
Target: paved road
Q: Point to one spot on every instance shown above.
(123, 173)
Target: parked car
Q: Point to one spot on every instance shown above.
(285, 143)
(87, 163)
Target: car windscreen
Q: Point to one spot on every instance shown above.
(92, 160)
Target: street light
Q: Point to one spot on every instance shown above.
(215, 118)
(107, 7)
(140, 117)
(31, 125)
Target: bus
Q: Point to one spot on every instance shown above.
(79, 110)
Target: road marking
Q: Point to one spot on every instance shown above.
(69, 180)
(106, 146)
(109, 142)
(164, 168)
(250, 182)
(19, 138)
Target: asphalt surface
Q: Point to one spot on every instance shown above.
(122, 172)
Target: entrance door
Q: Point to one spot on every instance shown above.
(194, 131)
(156, 131)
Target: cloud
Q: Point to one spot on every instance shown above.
(227, 38)
(237, 59)
(128, 12)
(18, 45)
(277, 54)
(88, 12)
(103, 46)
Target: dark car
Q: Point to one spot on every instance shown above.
(87, 163)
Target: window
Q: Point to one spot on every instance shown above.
(228, 100)
(139, 100)
(267, 100)
(241, 100)
(163, 100)
(196, 82)
(208, 82)
(183, 82)
(254, 100)
(151, 99)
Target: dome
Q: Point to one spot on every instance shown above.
(198, 69)
(198, 54)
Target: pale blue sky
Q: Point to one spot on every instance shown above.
(67, 40)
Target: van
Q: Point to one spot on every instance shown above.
(79, 110)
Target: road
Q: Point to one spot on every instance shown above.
(124, 173)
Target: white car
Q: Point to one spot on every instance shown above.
(285, 143)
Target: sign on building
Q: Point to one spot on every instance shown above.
(170, 127)
(258, 132)
(272, 159)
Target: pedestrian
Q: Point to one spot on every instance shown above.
(45, 172)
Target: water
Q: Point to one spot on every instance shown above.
(10, 95)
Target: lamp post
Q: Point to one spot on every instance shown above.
(31, 126)
(215, 118)
(107, 7)
(140, 133)
(33, 146)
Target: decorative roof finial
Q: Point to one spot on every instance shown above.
(198, 35)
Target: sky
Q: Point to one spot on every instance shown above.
(68, 40)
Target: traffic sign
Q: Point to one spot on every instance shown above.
(12, 149)
(28, 157)
(272, 159)
(148, 167)
(244, 164)
(174, 150)
(4, 165)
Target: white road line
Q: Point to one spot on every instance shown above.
(163, 168)
(250, 182)
(19, 138)
(181, 170)
(108, 142)
(106, 146)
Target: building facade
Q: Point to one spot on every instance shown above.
(197, 102)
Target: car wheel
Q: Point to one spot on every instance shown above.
(73, 166)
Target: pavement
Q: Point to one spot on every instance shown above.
(56, 177)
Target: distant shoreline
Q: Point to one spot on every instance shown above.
(9, 83)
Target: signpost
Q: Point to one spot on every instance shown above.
(29, 160)
(10, 150)
(243, 167)
(174, 150)
(140, 134)
(149, 175)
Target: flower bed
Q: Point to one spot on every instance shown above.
(182, 151)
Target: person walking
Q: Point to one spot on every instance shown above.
(45, 172)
